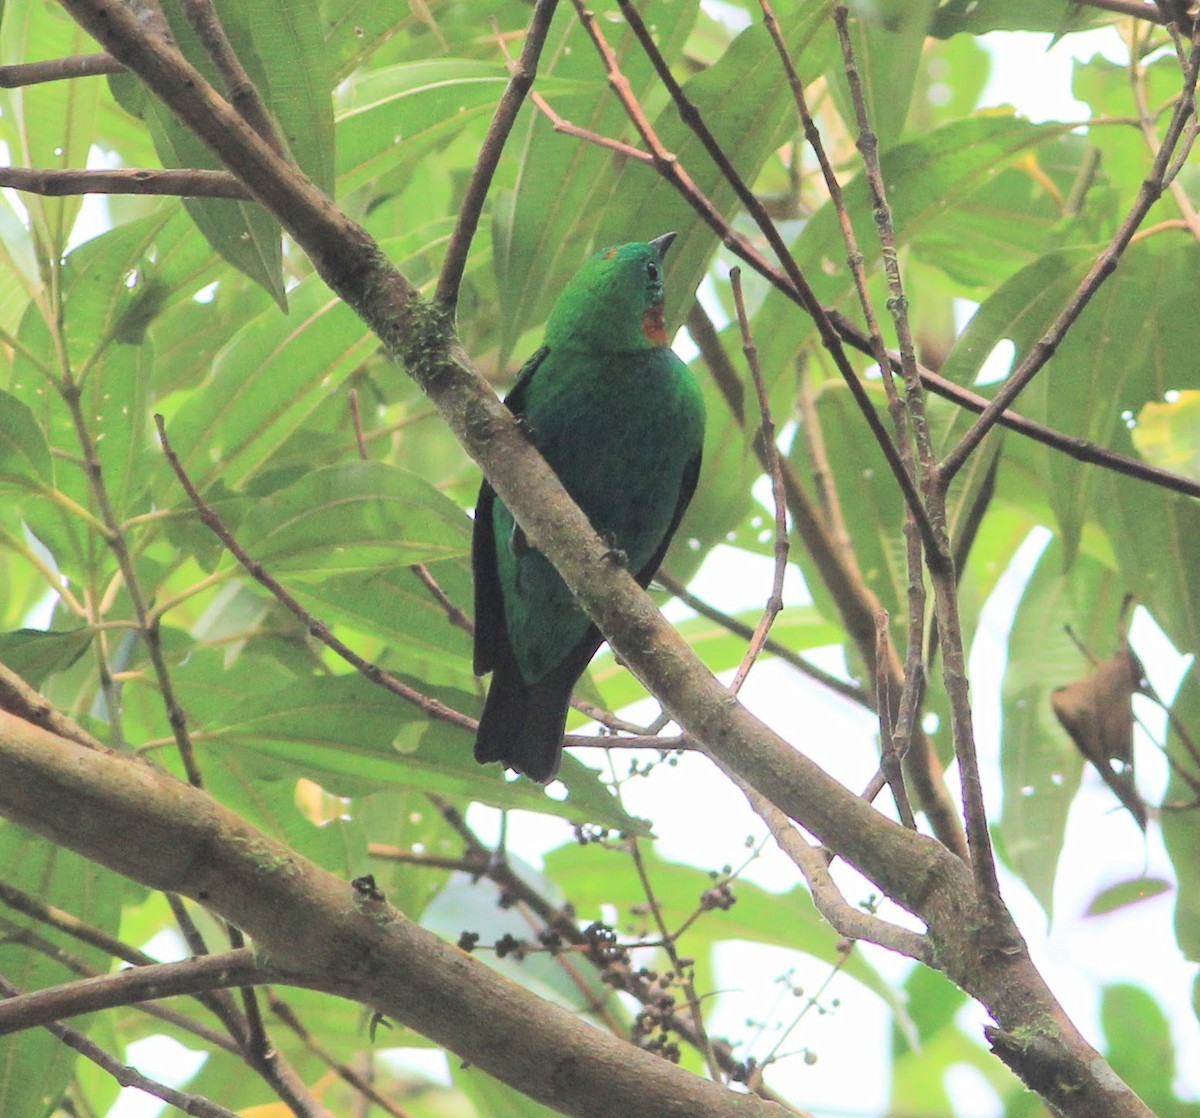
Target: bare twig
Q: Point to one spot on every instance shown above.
(513, 887)
(1147, 124)
(127, 987)
(1134, 8)
(17, 697)
(937, 556)
(682, 972)
(71, 386)
(667, 165)
(890, 754)
(242, 93)
(14, 933)
(1080, 449)
(347, 1074)
(126, 1076)
(856, 604)
(20, 901)
(767, 432)
(519, 84)
(187, 183)
(812, 863)
(846, 690)
(58, 69)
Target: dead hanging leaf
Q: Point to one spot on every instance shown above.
(1097, 711)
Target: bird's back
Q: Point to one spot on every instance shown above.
(621, 431)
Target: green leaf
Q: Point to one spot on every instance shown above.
(1167, 435)
(117, 283)
(35, 1066)
(391, 118)
(297, 79)
(979, 16)
(361, 516)
(1181, 829)
(796, 627)
(24, 455)
(48, 125)
(920, 1064)
(595, 876)
(1126, 893)
(353, 737)
(270, 376)
(242, 232)
(34, 654)
(740, 99)
(394, 605)
(1133, 343)
(1141, 1050)
(927, 179)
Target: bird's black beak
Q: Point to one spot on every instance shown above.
(661, 244)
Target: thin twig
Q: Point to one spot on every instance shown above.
(17, 697)
(767, 432)
(821, 472)
(890, 755)
(71, 387)
(667, 165)
(565, 127)
(471, 207)
(126, 1076)
(1134, 8)
(24, 74)
(845, 917)
(1149, 130)
(938, 557)
(563, 922)
(1080, 449)
(845, 689)
(14, 933)
(345, 1073)
(127, 987)
(241, 92)
(454, 615)
(20, 901)
(682, 972)
(856, 604)
(185, 183)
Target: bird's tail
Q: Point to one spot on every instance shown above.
(522, 724)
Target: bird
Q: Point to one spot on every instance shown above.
(620, 419)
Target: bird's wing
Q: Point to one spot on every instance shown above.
(515, 400)
(491, 635)
(687, 486)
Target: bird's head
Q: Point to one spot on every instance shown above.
(614, 302)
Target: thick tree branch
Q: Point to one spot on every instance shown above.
(142, 823)
(356, 948)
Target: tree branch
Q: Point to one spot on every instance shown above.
(147, 825)
(352, 945)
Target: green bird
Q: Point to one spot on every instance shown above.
(620, 420)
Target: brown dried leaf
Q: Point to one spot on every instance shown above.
(1097, 712)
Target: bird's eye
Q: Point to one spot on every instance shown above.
(652, 271)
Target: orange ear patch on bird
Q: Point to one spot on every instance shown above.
(611, 254)
(653, 326)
